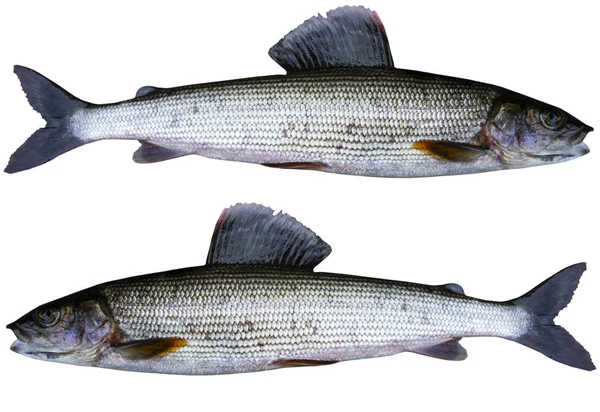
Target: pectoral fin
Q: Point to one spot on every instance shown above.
(149, 348)
(451, 151)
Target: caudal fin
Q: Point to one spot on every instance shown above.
(55, 105)
(545, 301)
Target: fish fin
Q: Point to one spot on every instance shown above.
(454, 287)
(149, 348)
(451, 151)
(449, 350)
(298, 165)
(151, 153)
(292, 363)
(346, 37)
(252, 234)
(545, 301)
(147, 90)
(55, 105)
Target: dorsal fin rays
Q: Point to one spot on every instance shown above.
(346, 37)
(252, 234)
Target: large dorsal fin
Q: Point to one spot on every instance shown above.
(252, 234)
(346, 37)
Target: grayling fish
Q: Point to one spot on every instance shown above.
(342, 108)
(258, 305)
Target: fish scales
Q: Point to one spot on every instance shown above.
(342, 108)
(240, 318)
(257, 304)
(338, 117)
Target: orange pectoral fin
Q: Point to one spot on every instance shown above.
(149, 348)
(451, 151)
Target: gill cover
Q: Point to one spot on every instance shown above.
(67, 330)
(523, 131)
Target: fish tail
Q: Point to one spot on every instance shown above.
(55, 105)
(544, 302)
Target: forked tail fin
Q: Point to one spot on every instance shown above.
(55, 105)
(545, 301)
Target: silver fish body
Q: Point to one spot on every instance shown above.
(352, 121)
(342, 108)
(258, 305)
(237, 319)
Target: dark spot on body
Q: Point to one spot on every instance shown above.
(261, 344)
(404, 306)
(288, 128)
(352, 128)
(247, 326)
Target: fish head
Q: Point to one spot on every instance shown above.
(66, 331)
(526, 132)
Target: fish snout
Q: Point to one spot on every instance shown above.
(23, 333)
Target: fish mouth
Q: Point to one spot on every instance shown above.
(24, 348)
(23, 345)
(581, 134)
(23, 333)
(575, 148)
(578, 150)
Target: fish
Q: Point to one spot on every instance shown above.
(342, 107)
(259, 305)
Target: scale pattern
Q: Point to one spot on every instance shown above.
(346, 118)
(237, 319)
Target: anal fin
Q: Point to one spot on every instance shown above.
(293, 363)
(149, 348)
(449, 350)
(451, 151)
(151, 153)
(298, 165)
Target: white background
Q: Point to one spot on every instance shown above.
(93, 215)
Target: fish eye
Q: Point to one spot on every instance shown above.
(47, 317)
(552, 119)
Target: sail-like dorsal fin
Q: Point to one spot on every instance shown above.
(252, 234)
(346, 37)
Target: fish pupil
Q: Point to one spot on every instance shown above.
(47, 316)
(552, 119)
